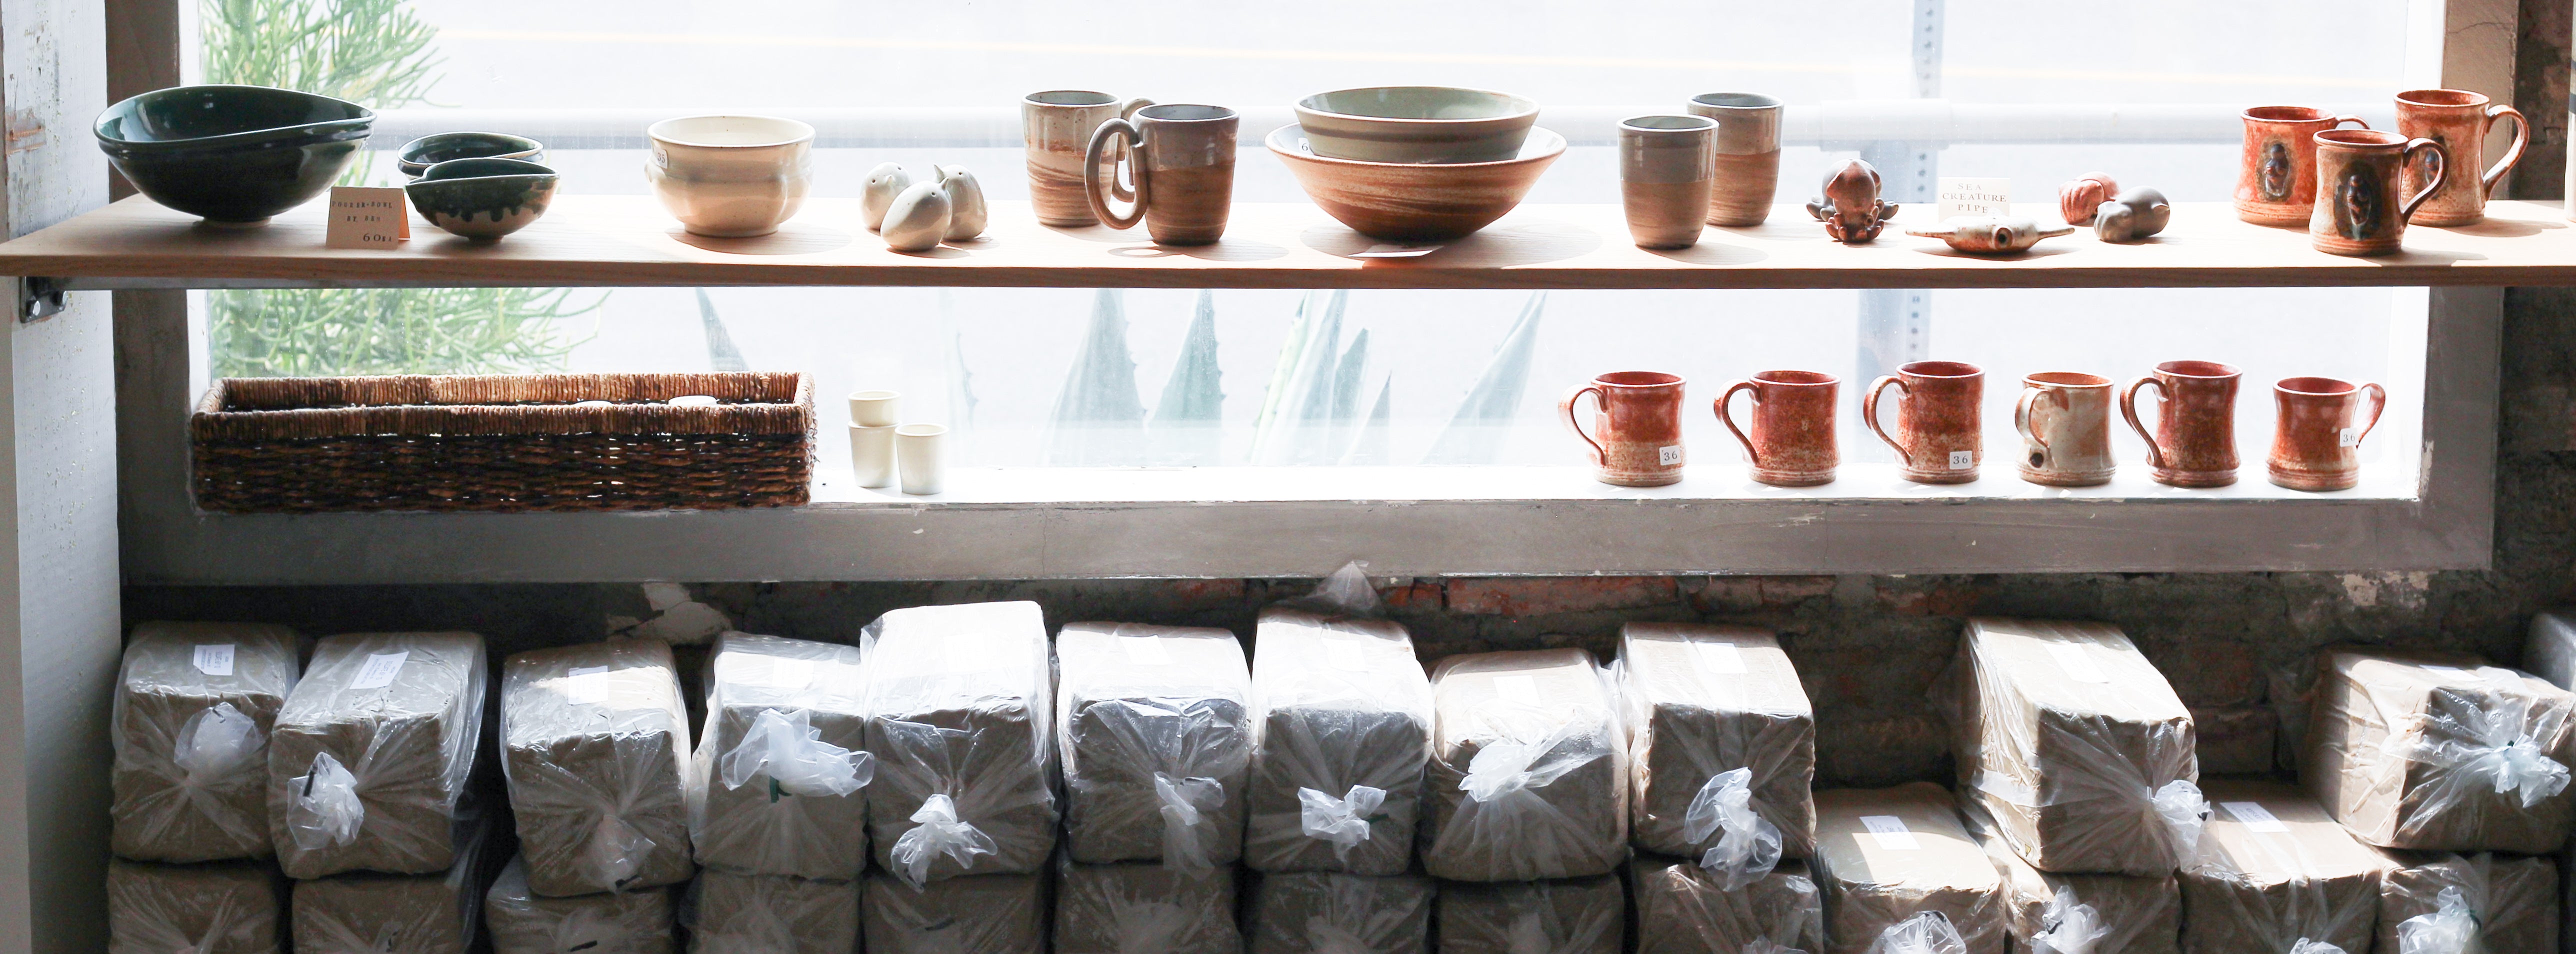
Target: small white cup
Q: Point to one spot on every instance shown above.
(872, 455)
(873, 408)
(921, 453)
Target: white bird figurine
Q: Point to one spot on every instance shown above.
(885, 182)
(967, 215)
(918, 219)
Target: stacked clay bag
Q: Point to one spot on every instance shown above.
(594, 741)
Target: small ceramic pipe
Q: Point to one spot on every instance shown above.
(1991, 234)
(2136, 214)
(918, 219)
(1850, 207)
(2077, 200)
(967, 215)
(885, 182)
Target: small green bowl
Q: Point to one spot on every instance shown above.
(483, 199)
(420, 154)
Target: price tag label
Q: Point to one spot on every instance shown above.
(1973, 197)
(379, 669)
(2348, 437)
(1891, 832)
(1963, 460)
(214, 659)
(368, 217)
(1669, 456)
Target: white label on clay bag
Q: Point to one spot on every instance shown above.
(586, 685)
(2255, 816)
(214, 659)
(379, 669)
(2078, 666)
(1345, 654)
(1891, 832)
(785, 673)
(1722, 659)
(1516, 688)
(1145, 651)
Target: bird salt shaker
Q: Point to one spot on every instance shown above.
(885, 182)
(967, 214)
(918, 219)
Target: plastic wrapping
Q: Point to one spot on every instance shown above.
(2076, 745)
(1568, 916)
(369, 913)
(372, 753)
(1155, 733)
(778, 784)
(975, 914)
(2275, 875)
(1528, 776)
(2443, 903)
(2550, 650)
(1682, 909)
(220, 908)
(958, 700)
(2080, 913)
(1144, 908)
(525, 922)
(1703, 701)
(1342, 716)
(194, 706)
(2440, 752)
(1929, 932)
(1317, 912)
(594, 741)
(1886, 855)
(732, 913)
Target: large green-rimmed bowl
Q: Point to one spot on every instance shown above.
(483, 199)
(233, 155)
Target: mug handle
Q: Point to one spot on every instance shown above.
(1723, 418)
(2129, 410)
(2021, 418)
(2356, 121)
(1118, 189)
(2439, 169)
(1869, 413)
(1566, 407)
(2512, 154)
(2378, 404)
(1128, 139)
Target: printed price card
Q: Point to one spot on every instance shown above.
(368, 217)
(1974, 197)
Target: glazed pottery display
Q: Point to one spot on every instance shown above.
(2276, 179)
(2194, 443)
(1180, 158)
(731, 176)
(1636, 437)
(1404, 202)
(2316, 442)
(419, 154)
(482, 198)
(2362, 205)
(1746, 167)
(1991, 234)
(1664, 177)
(1938, 438)
(1790, 438)
(1057, 126)
(1416, 124)
(2459, 120)
(1850, 207)
(918, 219)
(2132, 216)
(233, 155)
(885, 182)
(2079, 199)
(2064, 418)
(967, 213)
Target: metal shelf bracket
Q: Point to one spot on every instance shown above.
(40, 298)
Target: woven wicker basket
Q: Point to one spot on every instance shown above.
(503, 443)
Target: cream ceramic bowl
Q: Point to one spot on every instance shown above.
(731, 176)
(1416, 124)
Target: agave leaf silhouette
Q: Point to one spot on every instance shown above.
(721, 354)
(1475, 434)
(1098, 418)
(1185, 427)
(1375, 445)
(1299, 430)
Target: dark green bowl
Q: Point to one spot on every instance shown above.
(420, 154)
(232, 154)
(483, 198)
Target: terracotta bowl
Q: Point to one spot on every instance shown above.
(1407, 202)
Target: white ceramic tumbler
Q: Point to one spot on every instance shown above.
(872, 455)
(873, 408)
(921, 454)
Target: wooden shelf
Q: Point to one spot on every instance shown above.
(613, 241)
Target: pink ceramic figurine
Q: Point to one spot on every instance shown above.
(1851, 209)
(2079, 199)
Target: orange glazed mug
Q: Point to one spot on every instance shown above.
(1792, 439)
(1636, 438)
(2459, 120)
(2315, 444)
(1938, 438)
(2276, 184)
(2361, 180)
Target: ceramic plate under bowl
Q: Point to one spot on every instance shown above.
(1416, 124)
(483, 198)
(1407, 202)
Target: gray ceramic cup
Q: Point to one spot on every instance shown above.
(1664, 177)
(1747, 159)
(1057, 125)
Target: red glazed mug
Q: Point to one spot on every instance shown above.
(2276, 183)
(1636, 438)
(1938, 438)
(2362, 206)
(2194, 444)
(1792, 439)
(2459, 120)
(2315, 445)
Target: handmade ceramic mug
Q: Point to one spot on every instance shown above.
(1057, 126)
(1636, 438)
(2459, 120)
(1746, 164)
(1791, 441)
(2361, 179)
(2065, 422)
(1664, 177)
(2315, 445)
(2194, 444)
(731, 176)
(2276, 184)
(1181, 159)
(1938, 437)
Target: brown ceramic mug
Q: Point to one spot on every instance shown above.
(1181, 159)
(1746, 163)
(1056, 126)
(2314, 444)
(2276, 184)
(1636, 438)
(1938, 438)
(2065, 422)
(2361, 178)
(2459, 120)
(2194, 444)
(1792, 441)
(1664, 177)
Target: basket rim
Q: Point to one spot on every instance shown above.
(410, 407)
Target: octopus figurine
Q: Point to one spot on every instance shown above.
(1991, 234)
(1851, 209)
(2136, 214)
(2078, 200)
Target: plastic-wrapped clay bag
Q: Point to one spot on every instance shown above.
(1342, 721)
(1155, 732)
(2078, 747)
(368, 913)
(731, 913)
(1927, 933)
(1314, 912)
(1886, 855)
(2440, 752)
(958, 702)
(2275, 873)
(1722, 747)
(1567, 916)
(372, 752)
(1144, 909)
(594, 740)
(2080, 913)
(1682, 909)
(201, 909)
(1529, 775)
(194, 706)
(2442, 903)
(975, 914)
(781, 768)
(623, 922)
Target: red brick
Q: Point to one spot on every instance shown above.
(1744, 593)
(1207, 591)
(2209, 672)
(1538, 596)
(1930, 597)
(2234, 740)
(1420, 594)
